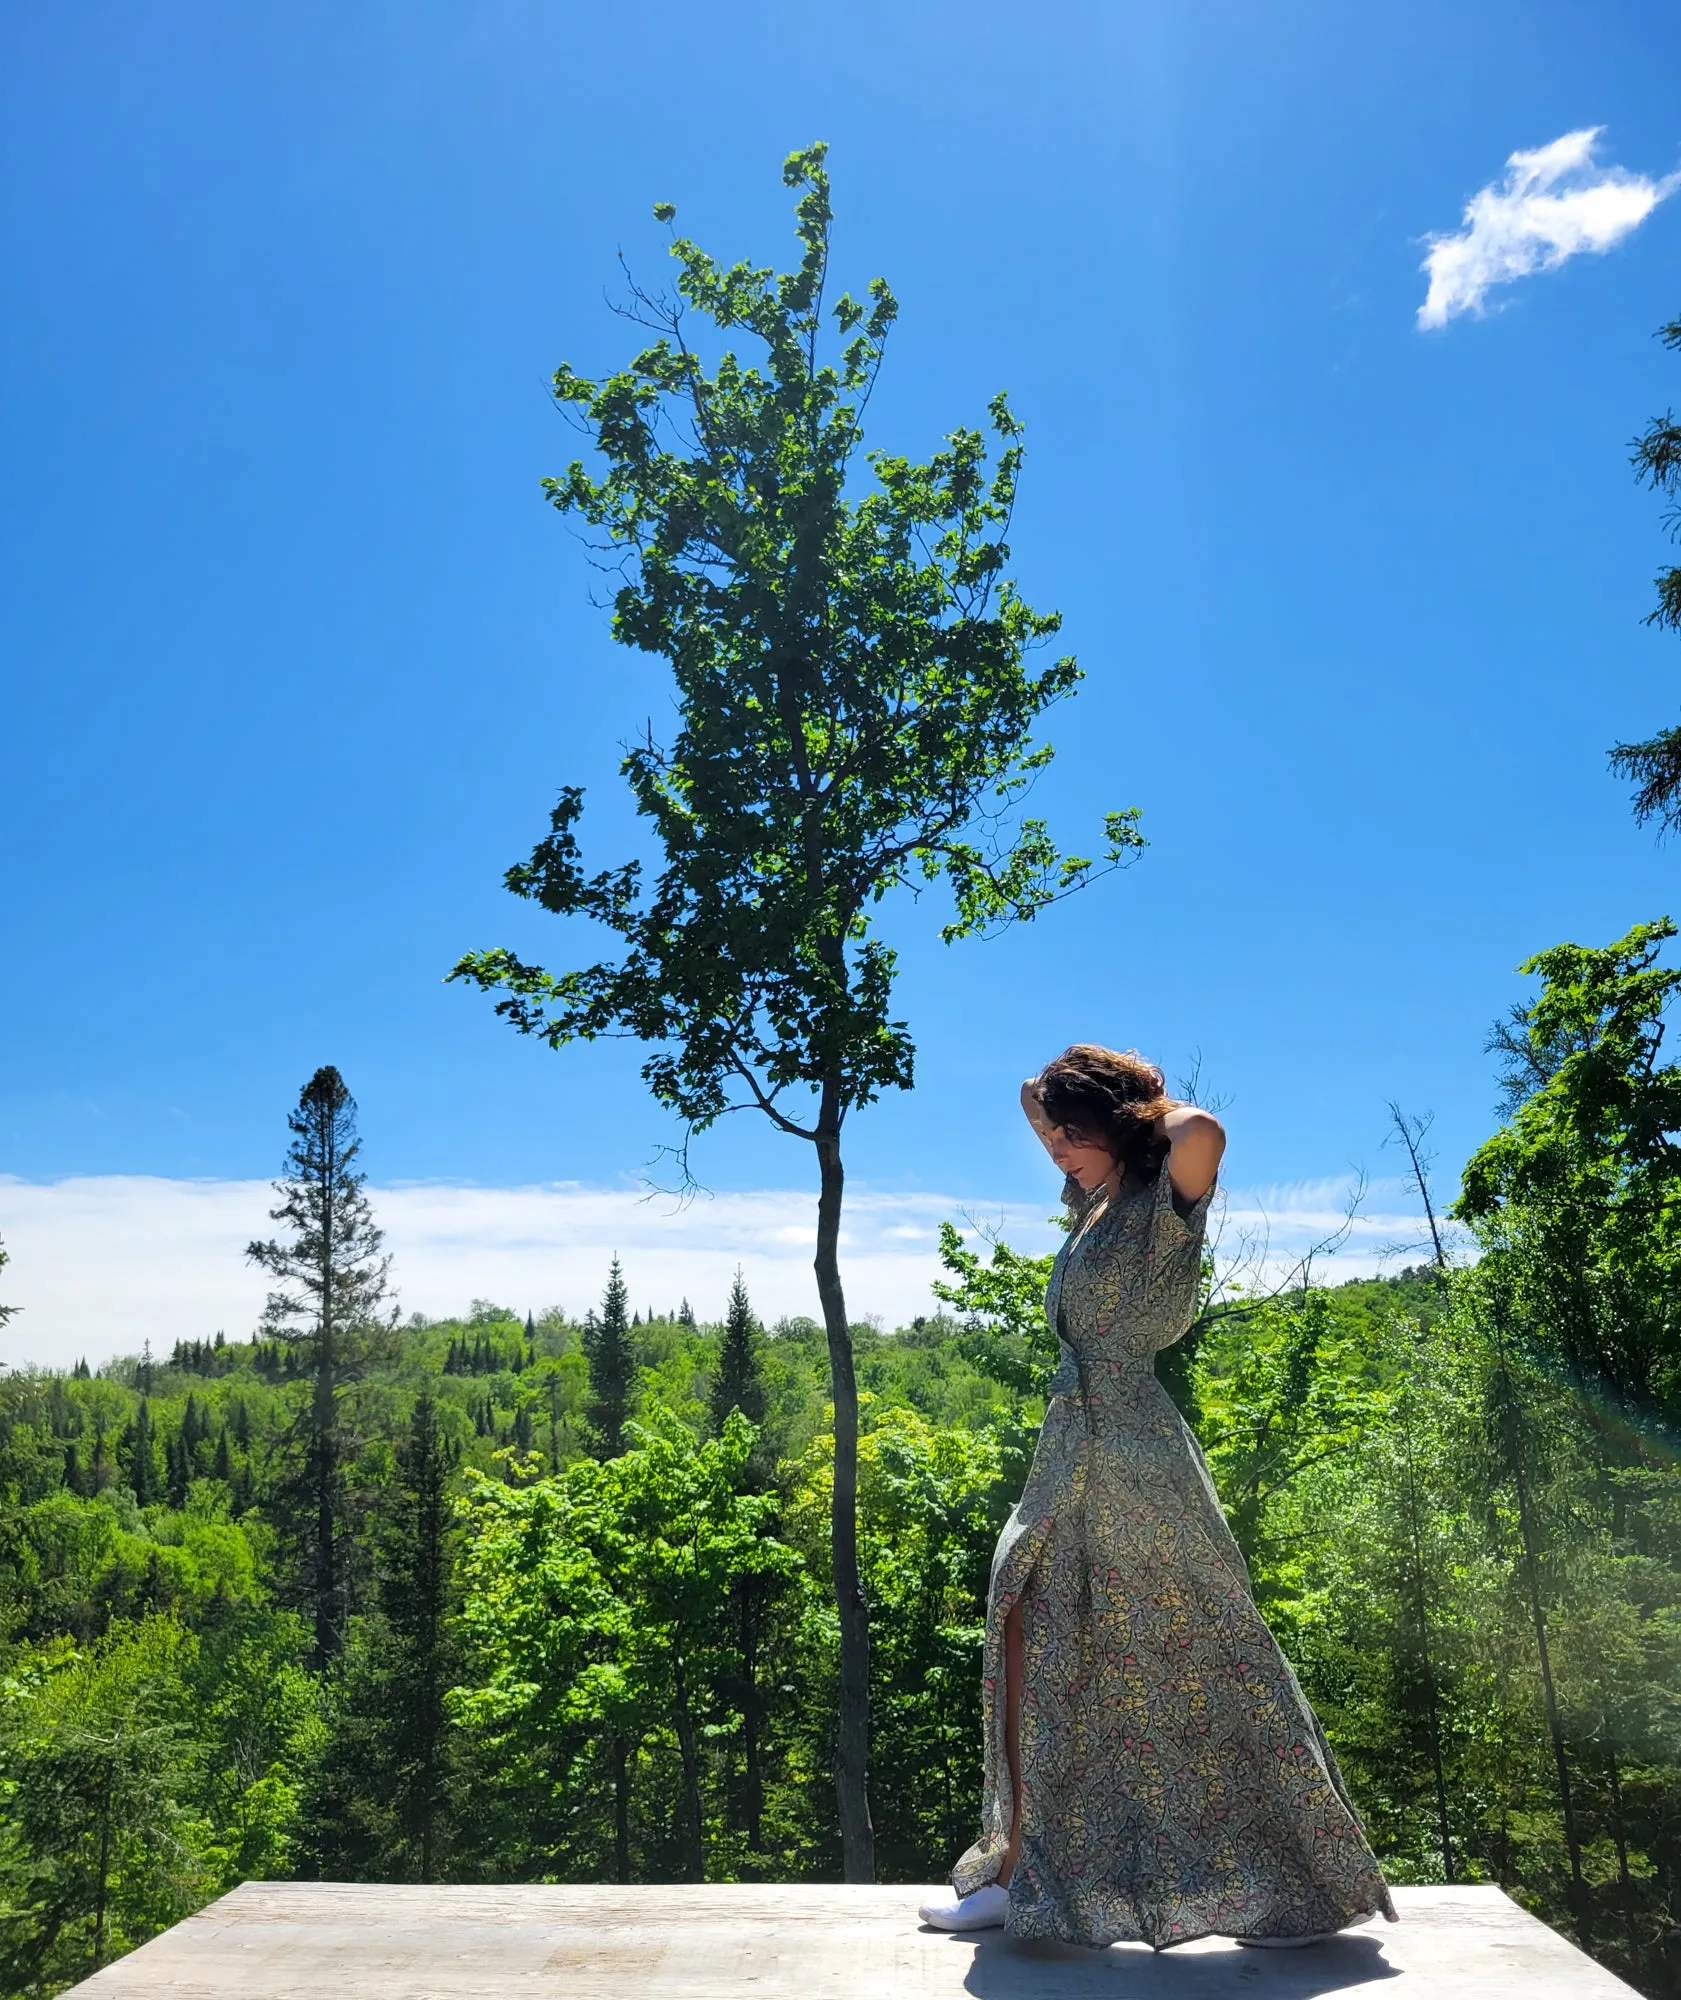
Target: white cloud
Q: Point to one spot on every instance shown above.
(1549, 206)
(101, 1264)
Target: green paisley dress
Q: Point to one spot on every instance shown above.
(1175, 1782)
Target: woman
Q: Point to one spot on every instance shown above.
(1152, 1769)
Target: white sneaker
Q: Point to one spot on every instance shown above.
(978, 1911)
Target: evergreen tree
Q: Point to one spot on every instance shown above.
(388, 1793)
(331, 1282)
(6, 1312)
(739, 1382)
(612, 1363)
(1655, 764)
(139, 1453)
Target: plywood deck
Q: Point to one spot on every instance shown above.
(345, 1941)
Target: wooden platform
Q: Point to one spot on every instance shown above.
(344, 1941)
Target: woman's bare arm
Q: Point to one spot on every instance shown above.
(1196, 1139)
(1036, 1112)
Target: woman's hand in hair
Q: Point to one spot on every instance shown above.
(1196, 1139)
(1036, 1112)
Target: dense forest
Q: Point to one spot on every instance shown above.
(524, 1598)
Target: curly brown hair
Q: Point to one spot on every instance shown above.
(1109, 1098)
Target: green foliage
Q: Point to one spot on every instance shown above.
(930, 1507)
(137, 1783)
(1577, 1200)
(1001, 1300)
(597, 1610)
(1281, 1390)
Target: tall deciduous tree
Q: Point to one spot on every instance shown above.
(1655, 765)
(330, 1285)
(855, 710)
(612, 1364)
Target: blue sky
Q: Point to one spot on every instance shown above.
(295, 658)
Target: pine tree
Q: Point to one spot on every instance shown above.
(142, 1465)
(739, 1381)
(607, 1348)
(332, 1281)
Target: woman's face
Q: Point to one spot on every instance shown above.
(1089, 1163)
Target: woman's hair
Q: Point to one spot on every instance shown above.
(1109, 1098)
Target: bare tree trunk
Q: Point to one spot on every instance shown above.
(852, 1737)
(694, 1849)
(621, 1806)
(1421, 1613)
(1511, 1424)
(1619, 1832)
(753, 1776)
(1411, 1132)
(102, 1888)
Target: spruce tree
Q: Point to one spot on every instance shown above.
(739, 1381)
(331, 1284)
(607, 1349)
(142, 1465)
(387, 1793)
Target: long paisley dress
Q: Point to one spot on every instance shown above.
(1175, 1782)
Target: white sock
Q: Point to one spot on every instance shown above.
(978, 1911)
